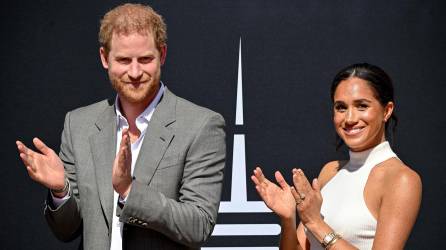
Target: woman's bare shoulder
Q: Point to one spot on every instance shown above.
(329, 170)
(396, 175)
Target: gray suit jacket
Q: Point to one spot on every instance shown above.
(177, 179)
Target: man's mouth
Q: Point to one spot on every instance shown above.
(135, 84)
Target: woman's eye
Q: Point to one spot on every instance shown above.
(339, 108)
(363, 106)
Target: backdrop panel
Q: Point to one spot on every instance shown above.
(288, 51)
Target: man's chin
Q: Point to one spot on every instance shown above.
(134, 99)
(137, 97)
(141, 94)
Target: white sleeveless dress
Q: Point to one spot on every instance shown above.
(343, 207)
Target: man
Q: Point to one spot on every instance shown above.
(141, 171)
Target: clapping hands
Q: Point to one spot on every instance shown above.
(284, 199)
(277, 197)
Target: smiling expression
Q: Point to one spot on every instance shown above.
(359, 118)
(134, 66)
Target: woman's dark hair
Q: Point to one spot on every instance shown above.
(380, 82)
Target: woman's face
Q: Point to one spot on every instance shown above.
(358, 116)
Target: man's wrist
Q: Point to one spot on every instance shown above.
(124, 195)
(60, 193)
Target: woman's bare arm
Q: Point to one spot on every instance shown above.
(399, 207)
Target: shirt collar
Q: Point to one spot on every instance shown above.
(143, 119)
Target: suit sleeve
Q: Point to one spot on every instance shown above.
(65, 220)
(191, 219)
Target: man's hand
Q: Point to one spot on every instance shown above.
(122, 166)
(45, 168)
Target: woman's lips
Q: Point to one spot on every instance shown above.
(353, 131)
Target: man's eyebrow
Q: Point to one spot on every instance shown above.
(146, 54)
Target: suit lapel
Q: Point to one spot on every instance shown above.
(103, 147)
(156, 141)
(157, 138)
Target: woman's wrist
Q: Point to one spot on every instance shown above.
(318, 228)
(288, 221)
(287, 216)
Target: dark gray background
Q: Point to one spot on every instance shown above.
(49, 64)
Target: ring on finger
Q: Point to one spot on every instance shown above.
(302, 196)
(299, 201)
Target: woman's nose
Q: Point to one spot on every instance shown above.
(351, 117)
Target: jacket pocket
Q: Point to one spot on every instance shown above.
(169, 161)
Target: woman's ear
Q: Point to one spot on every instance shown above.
(388, 110)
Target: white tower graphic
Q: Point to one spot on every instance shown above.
(239, 202)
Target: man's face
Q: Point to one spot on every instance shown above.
(134, 67)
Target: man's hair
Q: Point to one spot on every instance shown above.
(129, 18)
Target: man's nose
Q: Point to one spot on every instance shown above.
(135, 71)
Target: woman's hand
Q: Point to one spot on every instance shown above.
(277, 198)
(308, 199)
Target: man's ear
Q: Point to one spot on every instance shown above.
(163, 54)
(104, 57)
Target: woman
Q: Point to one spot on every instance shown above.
(370, 201)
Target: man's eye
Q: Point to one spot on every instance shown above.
(124, 60)
(146, 59)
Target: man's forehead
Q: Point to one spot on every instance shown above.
(124, 38)
(127, 33)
